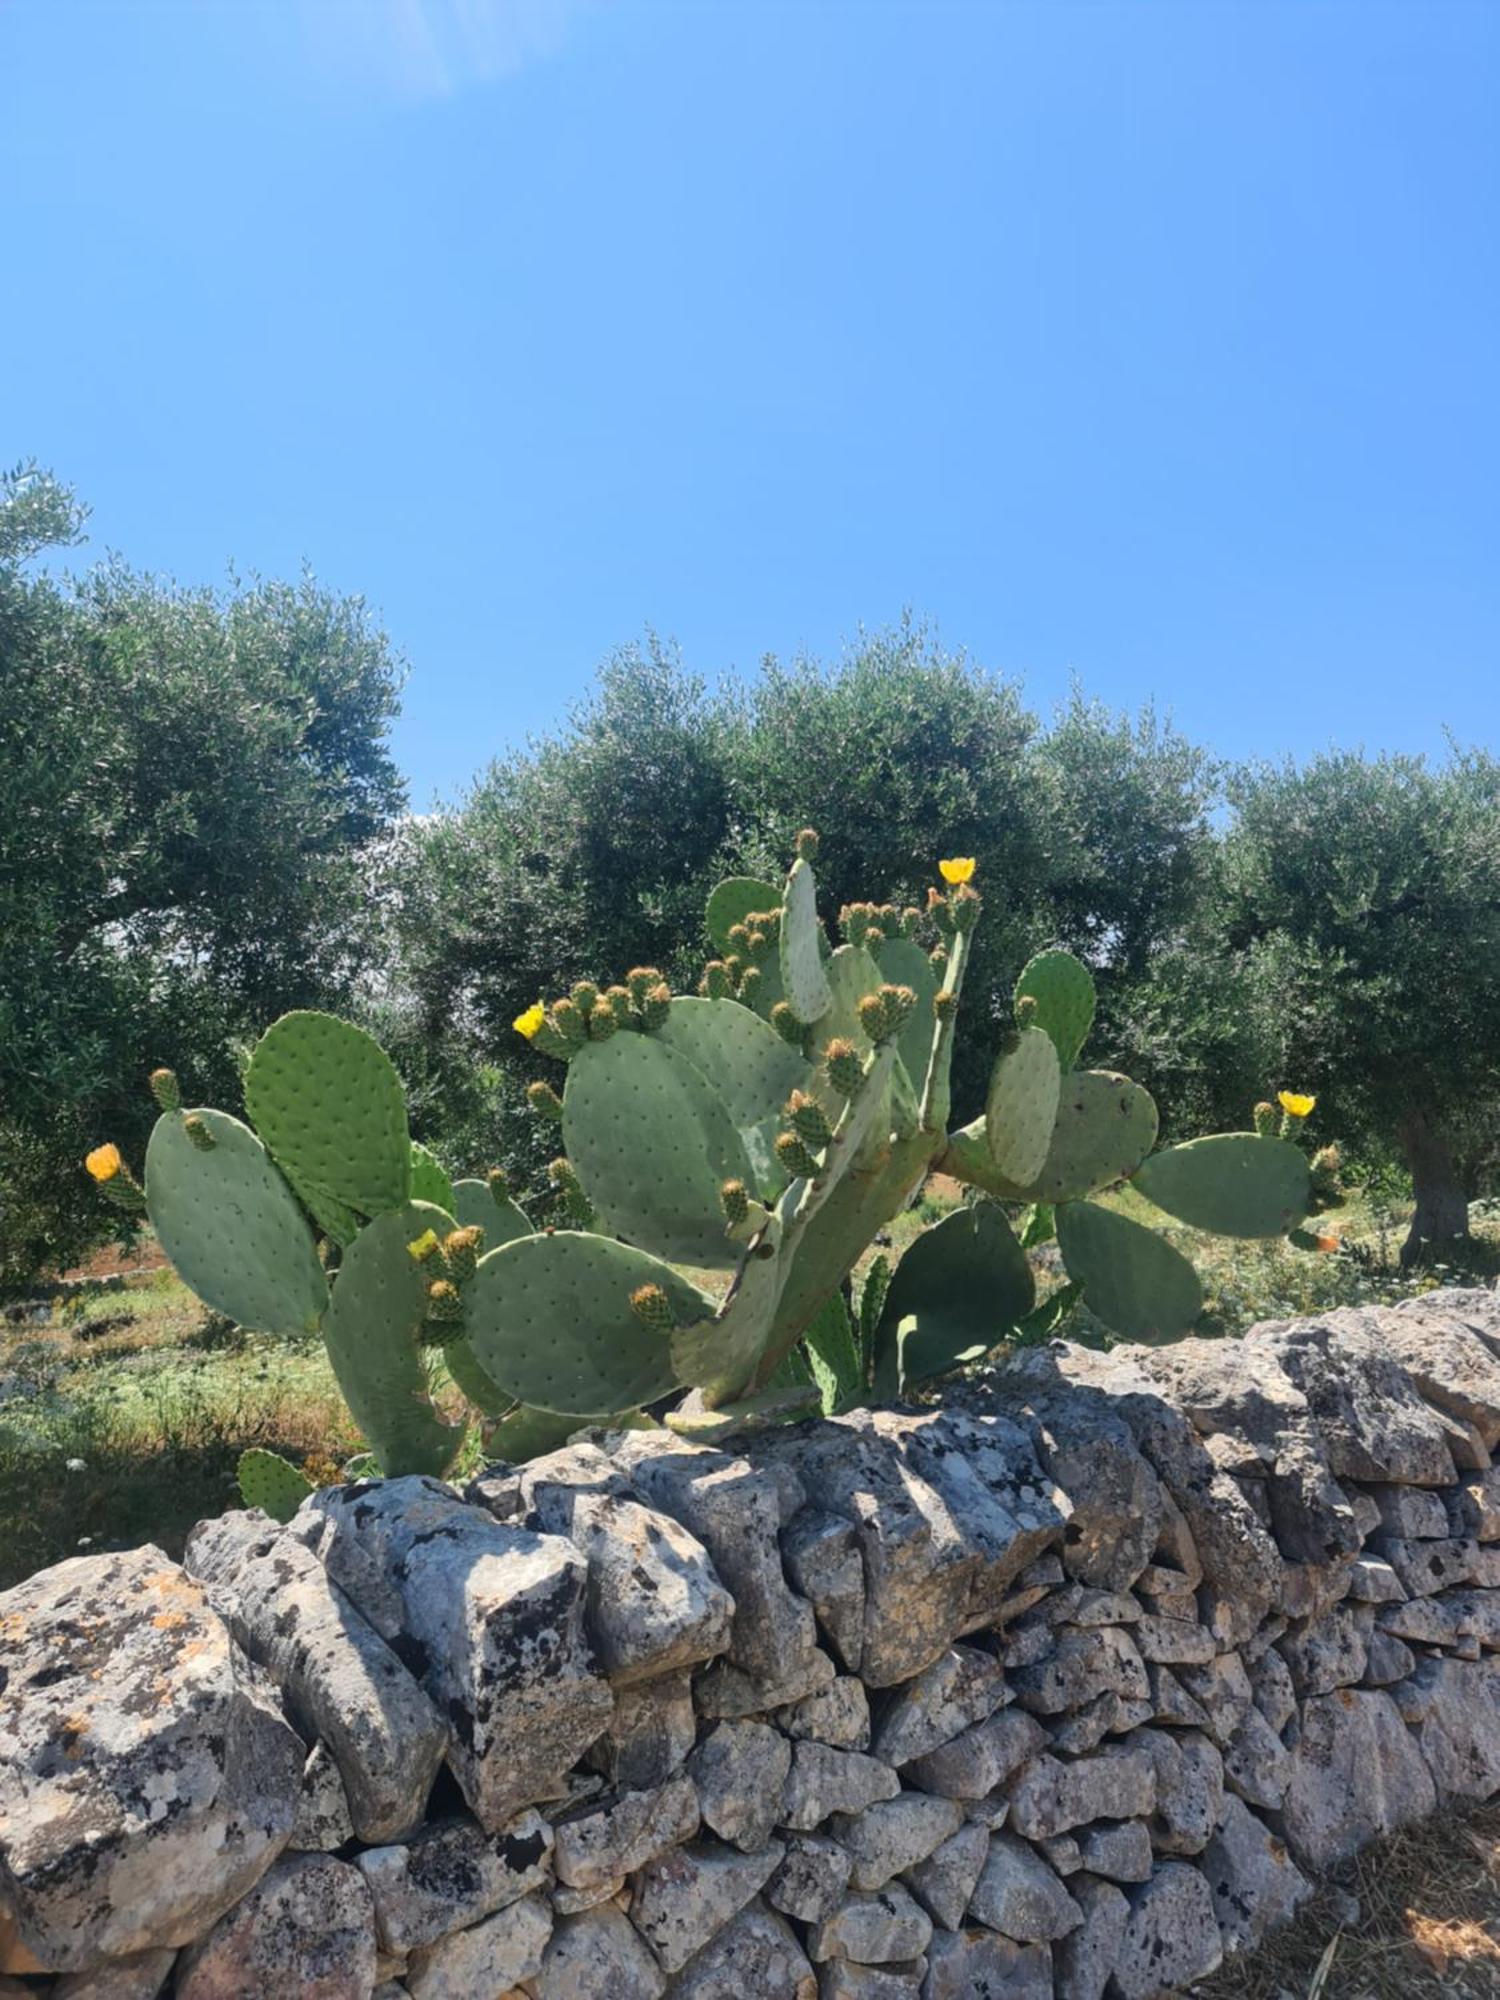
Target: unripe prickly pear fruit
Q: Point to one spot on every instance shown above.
(845, 1070)
(739, 937)
(620, 1003)
(937, 958)
(198, 1132)
(751, 981)
(564, 1178)
(807, 845)
(786, 1024)
(461, 1247)
(498, 1182)
(940, 912)
(602, 1023)
(1025, 1010)
(795, 1157)
(965, 905)
(444, 1319)
(1267, 1119)
(872, 1016)
(544, 1101)
(768, 921)
(911, 921)
(585, 996)
(653, 1308)
(164, 1088)
(734, 1199)
(757, 944)
(657, 1005)
(808, 1119)
(639, 981)
(944, 1005)
(569, 1023)
(714, 984)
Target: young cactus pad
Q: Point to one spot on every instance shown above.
(429, 1178)
(1061, 989)
(958, 1290)
(732, 901)
(272, 1483)
(801, 947)
(1106, 1125)
(371, 1331)
(1234, 1183)
(1021, 1112)
(550, 1320)
(329, 1105)
(230, 1225)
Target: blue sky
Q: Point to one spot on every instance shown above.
(1153, 342)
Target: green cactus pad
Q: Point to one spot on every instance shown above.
(1064, 994)
(462, 1364)
(550, 1320)
(429, 1178)
(524, 1433)
(852, 974)
(326, 1100)
(1021, 1111)
(476, 1208)
(231, 1226)
(832, 1353)
(733, 901)
(1132, 1278)
(721, 1350)
(1106, 1125)
(957, 1292)
(272, 1483)
(750, 1066)
(1234, 1184)
(906, 964)
(801, 945)
(379, 1302)
(653, 1142)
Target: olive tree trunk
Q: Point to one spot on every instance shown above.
(1440, 1223)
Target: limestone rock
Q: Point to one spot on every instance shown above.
(1374, 1425)
(650, 1734)
(492, 1957)
(1387, 1660)
(687, 1895)
(972, 1765)
(1425, 1568)
(1460, 1735)
(945, 1881)
(142, 1976)
(1271, 1689)
(1356, 1774)
(1257, 1765)
(725, 1692)
(323, 1822)
(1189, 1788)
(838, 1714)
(963, 1686)
(821, 1553)
(1049, 1797)
(450, 1875)
(812, 1879)
(842, 1979)
(1119, 1853)
(873, 1930)
(597, 1956)
(973, 1964)
(740, 1770)
(893, 1835)
(490, 1615)
(147, 1780)
(824, 1781)
(623, 1831)
(1451, 1365)
(1253, 1880)
(308, 1927)
(1086, 1957)
(1090, 1454)
(1173, 1642)
(1171, 1937)
(1084, 1665)
(1021, 1896)
(342, 1682)
(1328, 1652)
(756, 1953)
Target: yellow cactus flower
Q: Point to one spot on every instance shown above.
(104, 1163)
(425, 1246)
(531, 1022)
(1295, 1103)
(958, 870)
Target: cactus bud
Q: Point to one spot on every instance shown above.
(808, 1119)
(1267, 1118)
(786, 1024)
(966, 906)
(734, 1199)
(620, 1003)
(911, 921)
(602, 1023)
(544, 1101)
(444, 1321)
(852, 923)
(937, 958)
(498, 1181)
(564, 1178)
(461, 1247)
(568, 1022)
(795, 1157)
(900, 1002)
(714, 984)
(734, 965)
(872, 1016)
(1026, 1010)
(757, 943)
(114, 1179)
(657, 1005)
(807, 845)
(944, 1004)
(768, 921)
(422, 1249)
(585, 997)
(751, 981)
(198, 1132)
(938, 909)
(845, 1070)
(165, 1090)
(653, 1308)
(739, 936)
(639, 981)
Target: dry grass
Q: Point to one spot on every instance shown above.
(1416, 1917)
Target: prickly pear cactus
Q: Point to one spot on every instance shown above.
(272, 1483)
(329, 1105)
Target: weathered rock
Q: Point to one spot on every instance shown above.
(1413, 1513)
(727, 1693)
(1171, 1937)
(1085, 1958)
(1084, 1665)
(308, 1927)
(972, 1765)
(597, 1956)
(1120, 1853)
(734, 1510)
(1223, 1691)
(945, 1881)
(323, 1822)
(1425, 1568)
(1328, 1652)
(755, 1953)
(824, 1781)
(147, 1780)
(1171, 1702)
(1374, 1426)
(341, 1680)
(838, 1714)
(568, 1902)
(686, 1896)
(1387, 1660)
(1460, 1734)
(1090, 1454)
(1021, 1896)
(621, 1832)
(1063, 1853)
(648, 1737)
(842, 1979)
(1474, 1507)
(1173, 1642)
(962, 1687)
(654, 1600)
(1256, 1762)
(1253, 1880)
(1355, 1774)
(1372, 1581)
(813, 1878)
(500, 1614)
(1452, 1366)
(740, 1770)
(977, 1965)
(140, 1977)
(872, 1930)
(1049, 1796)
(492, 1957)
(1189, 1788)
(450, 1875)
(1271, 1689)
(893, 1835)
(821, 1553)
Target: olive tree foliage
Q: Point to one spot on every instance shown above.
(193, 785)
(594, 850)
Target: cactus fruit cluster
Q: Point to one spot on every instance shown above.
(729, 1158)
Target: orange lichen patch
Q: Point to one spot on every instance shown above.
(169, 1621)
(72, 1733)
(173, 1583)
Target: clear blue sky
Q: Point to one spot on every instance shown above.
(1156, 342)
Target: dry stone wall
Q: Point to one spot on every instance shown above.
(1067, 1688)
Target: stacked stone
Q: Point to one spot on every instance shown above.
(1065, 1689)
